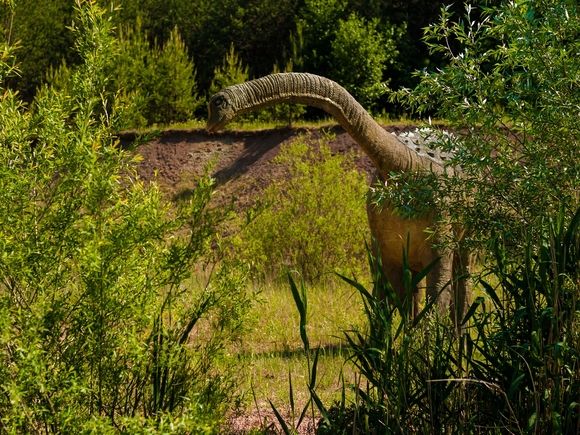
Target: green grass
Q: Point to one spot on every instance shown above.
(271, 349)
(199, 124)
(256, 125)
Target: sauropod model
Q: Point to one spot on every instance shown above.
(389, 153)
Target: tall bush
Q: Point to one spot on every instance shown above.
(149, 83)
(317, 24)
(102, 327)
(42, 38)
(313, 220)
(511, 95)
(158, 81)
(360, 53)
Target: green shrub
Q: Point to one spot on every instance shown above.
(313, 220)
(317, 24)
(146, 84)
(42, 37)
(231, 72)
(102, 326)
(360, 53)
(509, 94)
(158, 81)
(397, 358)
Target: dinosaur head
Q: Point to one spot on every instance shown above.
(220, 111)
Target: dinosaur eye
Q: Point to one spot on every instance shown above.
(220, 102)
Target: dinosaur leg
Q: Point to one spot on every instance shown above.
(462, 263)
(393, 273)
(440, 278)
(416, 302)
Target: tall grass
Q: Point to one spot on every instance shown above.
(514, 368)
(270, 349)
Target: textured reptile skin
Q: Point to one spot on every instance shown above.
(389, 152)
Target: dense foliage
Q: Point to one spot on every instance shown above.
(359, 56)
(105, 328)
(158, 82)
(102, 327)
(510, 92)
(362, 45)
(313, 220)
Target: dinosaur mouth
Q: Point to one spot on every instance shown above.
(216, 118)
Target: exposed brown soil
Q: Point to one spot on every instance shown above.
(267, 423)
(241, 162)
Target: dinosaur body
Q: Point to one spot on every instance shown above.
(388, 152)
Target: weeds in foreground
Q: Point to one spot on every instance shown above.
(99, 318)
(271, 351)
(514, 368)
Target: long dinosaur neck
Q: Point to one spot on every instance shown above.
(384, 149)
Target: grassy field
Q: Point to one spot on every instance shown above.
(246, 125)
(271, 349)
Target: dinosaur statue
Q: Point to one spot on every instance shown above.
(389, 154)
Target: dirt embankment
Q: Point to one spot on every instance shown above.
(241, 162)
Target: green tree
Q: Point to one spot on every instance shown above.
(410, 18)
(317, 25)
(264, 36)
(158, 81)
(360, 53)
(173, 93)
(230, 72)
(259, 29)
(42, 36)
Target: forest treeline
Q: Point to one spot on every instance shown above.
(173, 53)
